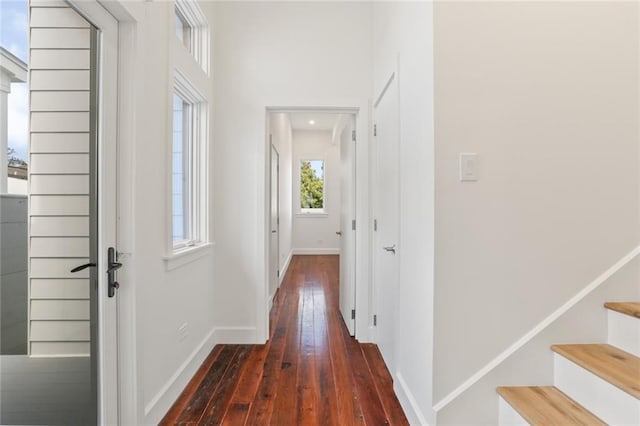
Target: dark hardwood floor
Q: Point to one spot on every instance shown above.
(310, 372)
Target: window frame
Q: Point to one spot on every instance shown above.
(196, 129)
(312, 211)
(198, 34)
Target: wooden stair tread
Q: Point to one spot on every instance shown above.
(618, 367)
(547, 405)
(628, 308)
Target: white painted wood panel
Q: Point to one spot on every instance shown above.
(57, 17)
(59, 310)
(507, 415)
(59, 142)
(64, 38)
(59, 121)
(39, 349)
(59, 226)
(60, 163)
(54, 247)
(59, 80)
(58, 268)
(59, 289)
(59, 205)
(61, 184)
(623, 332)
(56, 331)
(76, 59)
(59, 178)
(59, 101)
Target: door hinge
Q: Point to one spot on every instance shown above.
(375, 130)
(375, 320)
(375, 224)
(353, 314)
(278, 273)
(353, 225)
(353, 135)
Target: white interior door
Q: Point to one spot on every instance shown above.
(386, 186)
(274, 247)
(103, 116)
(347, 230)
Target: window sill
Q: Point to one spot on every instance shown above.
(187, 255)
(312, 215)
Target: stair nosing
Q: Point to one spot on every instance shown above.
(621, 309)
(557, 393)
(633, 390)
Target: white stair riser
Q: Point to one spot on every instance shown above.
(507, 415)
(606, 401)
(624, 332)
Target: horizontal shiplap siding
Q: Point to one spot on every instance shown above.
(59, 304)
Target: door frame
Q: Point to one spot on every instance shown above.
(361, 109)
(127, 408)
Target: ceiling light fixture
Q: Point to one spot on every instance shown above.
(312, 122)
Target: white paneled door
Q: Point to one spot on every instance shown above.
(274, 238)
(386, 214)
(347, 225)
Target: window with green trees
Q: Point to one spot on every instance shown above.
(311, 185)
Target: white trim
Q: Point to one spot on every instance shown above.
(187, 255)
(199, 33)
(537, 329)
(285, 267)
(315, 251)
(179, 380)
(408, 402)
(312, 215)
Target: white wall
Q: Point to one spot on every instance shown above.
(316, 234)
(14, 281)
(277, 54)
(547, 94)
(280, 129)
(402, 40)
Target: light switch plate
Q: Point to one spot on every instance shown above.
(468, 167)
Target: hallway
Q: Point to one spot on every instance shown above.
(310, 372)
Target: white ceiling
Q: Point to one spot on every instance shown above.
(323, 120)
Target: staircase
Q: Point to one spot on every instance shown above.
(595, 384)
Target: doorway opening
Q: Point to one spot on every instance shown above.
(311, 196)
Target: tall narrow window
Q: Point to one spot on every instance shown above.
(188, 166)
(312, 186)
(192, 30)
(180, 176)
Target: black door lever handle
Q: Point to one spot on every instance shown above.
(113, 267)
(81, 267)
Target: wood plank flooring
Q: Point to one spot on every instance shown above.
(310, 372)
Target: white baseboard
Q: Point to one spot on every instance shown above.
(283, 269)
(315, 251)
(408, 402)
(158, 406)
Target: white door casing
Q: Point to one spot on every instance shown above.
(386, 214)
(347, 230)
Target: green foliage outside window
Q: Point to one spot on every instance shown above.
(312, 184)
